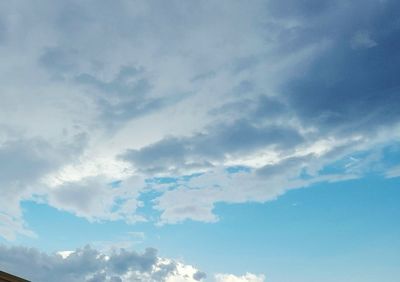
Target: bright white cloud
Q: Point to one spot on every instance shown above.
(248, 277)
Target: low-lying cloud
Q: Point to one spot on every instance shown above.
(90, 265)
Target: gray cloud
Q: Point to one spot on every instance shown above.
(302, 9)
(239, 137)
(59, 61)
(23, 163)
(273, 170)
(123, 98)
(24, 160)
(347, 89)
(86, 264)
(2, 31)
(258, 109)
(96, 199)
(199, 275)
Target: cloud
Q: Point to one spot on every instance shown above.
(99, 198)
(88, 264)
(23, 163)
(393, 172)
(362, 39)
(248, 277)
(240, 137)
(195, 197)
(346, 90)
(94, 94)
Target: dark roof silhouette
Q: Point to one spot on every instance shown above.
(6, 277)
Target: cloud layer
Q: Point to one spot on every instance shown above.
(202, 102)
(89, 265)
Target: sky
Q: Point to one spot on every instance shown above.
(214, 141)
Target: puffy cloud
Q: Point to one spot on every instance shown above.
(88, 264)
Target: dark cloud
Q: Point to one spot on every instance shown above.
(299, 8)
(124, 260)
(24, 161)
(344, 89)
(352, 89)
(3, 31)
(86, 264)
(126, 96)
(125, 83)
(203, 76)
(259, 109)
(59, 60)
(199, 275)
(240, 137)
(352, 85)
(241, 64)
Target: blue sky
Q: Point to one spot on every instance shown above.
(216, 141)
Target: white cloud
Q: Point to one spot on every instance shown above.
(89, 265)
(393, 172)
(248, 277)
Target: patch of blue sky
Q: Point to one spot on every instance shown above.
(391, 154)
(161, 180)
(56, 230)
(115, 183)
(238, 169)
(190, 176)
(337, 228)
(147, 198)
(172, 180)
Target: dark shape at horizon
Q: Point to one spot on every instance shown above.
(6, 277)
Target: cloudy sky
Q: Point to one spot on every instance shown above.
(183, 141)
